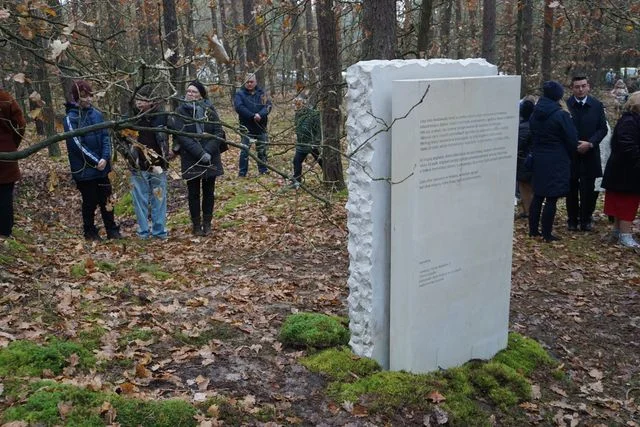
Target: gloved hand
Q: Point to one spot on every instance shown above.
(206, 158)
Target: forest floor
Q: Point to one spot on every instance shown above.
(198, 317)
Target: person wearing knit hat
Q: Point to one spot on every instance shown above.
(200, 87)
(523, 174)
(553, 90)
(591, 124)
(200, 158)
(90, 161)
(554, 140)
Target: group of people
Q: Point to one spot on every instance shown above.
(198, 139)
(559, 156)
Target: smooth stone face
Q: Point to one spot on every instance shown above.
(453, 173)
(369, 119)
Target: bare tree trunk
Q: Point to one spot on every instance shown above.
(171, 38)
(251, 40)
(460, 42)
(330, 80)
(445, 29)
(312, 46)
(379, 27)
(547, 36)
(189, 69)
(594, 58)
(472, 8)
(489, 31)
(425, 25)
(298, 46)
(524, 28)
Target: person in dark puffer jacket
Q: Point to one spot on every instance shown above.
(308, 136)
(12, 126)
(90, 161)
(523, 174)
(199, 157)
(554, 140)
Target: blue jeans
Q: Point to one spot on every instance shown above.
(150, 189)
(261, 149)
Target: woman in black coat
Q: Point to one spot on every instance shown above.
(199, 157)
(554, 139)
(523, 174)
(622, 173)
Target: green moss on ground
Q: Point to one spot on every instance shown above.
(313, 330)
(217, 330)
(124, 206)
(340, 364)
(153, 269)
(43, 399)
(465, 391)
(25, 358)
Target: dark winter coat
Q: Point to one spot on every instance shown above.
(308, 131)
(622, 172)
(191, 119)
(152, 140)
(86, 151)
(247, 104)
(553, 141)
(524, 147)
(591, 125)
(12, 125)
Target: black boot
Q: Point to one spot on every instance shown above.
(196, 228)
(114, 233)
(206, 226)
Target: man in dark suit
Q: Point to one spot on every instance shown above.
(588, 117)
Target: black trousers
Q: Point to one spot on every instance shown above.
(208, 186)
(298, 159)
(548, 215)
(96, 192)
(581, 200)
(6, 208)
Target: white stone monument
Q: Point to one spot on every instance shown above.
(369, 207)
(453, 174)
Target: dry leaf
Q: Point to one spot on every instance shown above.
(64, 408)
(596, 374)
(435, 397)
(559, 391)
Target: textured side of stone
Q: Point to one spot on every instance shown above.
(369, 205)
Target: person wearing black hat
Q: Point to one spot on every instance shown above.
(199, 156)
(90, 161)
(553, 142)
(148, 163)
(590, 122)
(523, 174)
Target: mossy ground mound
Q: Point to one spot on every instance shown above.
(25, 358)
(501, 383)
(88, 408)
(313, 330)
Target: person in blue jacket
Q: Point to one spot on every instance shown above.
(554, 140)
(90, 161)
(253, 108)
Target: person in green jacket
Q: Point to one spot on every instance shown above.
(308, 137)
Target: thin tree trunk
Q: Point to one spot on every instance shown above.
(312, 46)
(425, 25)
(472, 36)
(251, 40)
(298, 46)
(189, 69)
(171, 38)
(379, 26)
(445, 29)
(489, 31)
(547, 36)
(460, 41)
(330, 80)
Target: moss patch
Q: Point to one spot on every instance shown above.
(313, 330)
(234, 202)
(124, 206)
(84, 408)
(25, 358)
(137, 334)
(501, 383)
(340, 364)
(154, 270)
